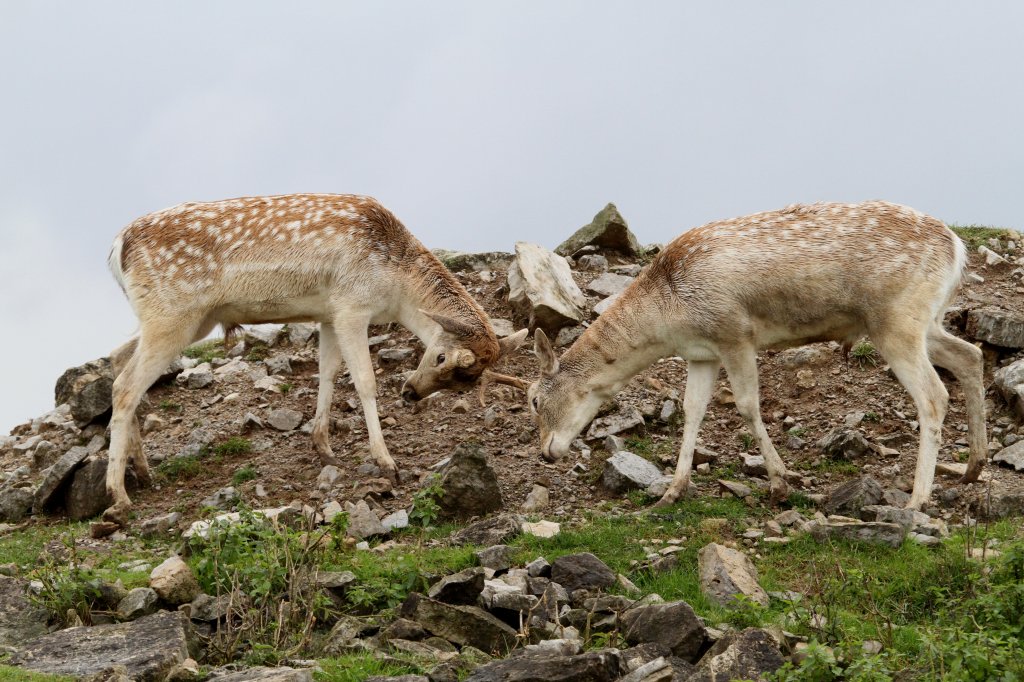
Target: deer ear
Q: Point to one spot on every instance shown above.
(545, 353)
(450, 325)
(511, 343)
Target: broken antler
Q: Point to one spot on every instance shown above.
(489, 377)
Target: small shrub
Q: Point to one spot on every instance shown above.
(873, 417)
(864, 354)
(285, 388)
(246, 473)
(170, 406)
(180, 468)
(258, 352)
(425, 503)
(205, 351)
(746, 441)
(233, 446)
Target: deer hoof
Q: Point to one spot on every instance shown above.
(779, 491)
(118, 514)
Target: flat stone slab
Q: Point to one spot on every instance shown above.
(1012, 456)
(148, 648)
(56, 475)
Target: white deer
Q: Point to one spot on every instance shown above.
(719, 293)
(343, 261)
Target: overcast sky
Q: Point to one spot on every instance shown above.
(477, 123)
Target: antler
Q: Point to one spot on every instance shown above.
(489, 377)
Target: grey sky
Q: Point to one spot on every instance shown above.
(477, 123)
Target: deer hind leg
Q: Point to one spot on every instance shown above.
(354, 345)
(741, 367)
(965, 361)
(158, 344)
(700, 381)
(330, 363)
(907, 355)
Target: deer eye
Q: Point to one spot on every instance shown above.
(440, 359)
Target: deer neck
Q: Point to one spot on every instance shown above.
(620, 344)
(433, 289)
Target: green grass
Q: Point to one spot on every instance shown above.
(205, 351)
(180, 468)
(233, 446)
(170, 406)
(246, 473)
(864, 354)
(357, 667)
(978, 235)
(12, 674)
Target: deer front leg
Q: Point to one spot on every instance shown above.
(741, 366)
(354, 345)
(330, 363)
(700, 380)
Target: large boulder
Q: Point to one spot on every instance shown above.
(174, 581)
(726, 574)
(673, 625)
(148, 649)
(87, 389)
(850, 497)
(15, 503)
(873, 532)
(996, 326)
(541, 289)
(609, 284)
(263, 674)
(459, 588)
(469, 484)
(1010, 382)
(608, 230)
(1012, 456)
(487, 532)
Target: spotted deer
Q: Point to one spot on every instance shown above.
(343, 261)
(719, 293)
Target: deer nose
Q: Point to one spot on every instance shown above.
(409, 393)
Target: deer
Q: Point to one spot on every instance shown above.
(343, 261)
(807, 273)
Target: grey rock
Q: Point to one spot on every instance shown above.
(628, 418)
(159, 526)
(336, 585)
(278, 364)
(536, 500)
(673, 625)
(541, 666)
(498, 558)
(459, 588)
(20, 618)
(659, 486)
(362, 521)
(199, 439)
(174, 582)
(458, 261)
(301, 333)
(592, 262)
(875, 532)
(609, 284)
(56, 476)
(502, 327)
(492, 531)
(15, 503)
(391, 357)
(225, 498)
(625, 471)
(396, 520)
(568, 335)
(602, 307)
(285, 419)
(328, 476)
(849, 498)
(752, 654)
(87, 389)
(736, 489)
(608, 230)
(844, 443)
(469, 484)
(669, 409)
(996, 326)
(907, 518)
(462, 625)
(87, 495)
(209, 609)
(753, 465)
(147, 649)
(1012, 456)
(1000, 504)
(726, 574)
(804, 356)
(1010, 382)
(542, 290)
(139, 602)
(539, 567)
(199, 376)
(268, 335)
(582, 571)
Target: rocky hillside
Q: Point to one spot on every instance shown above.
(228, 430)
